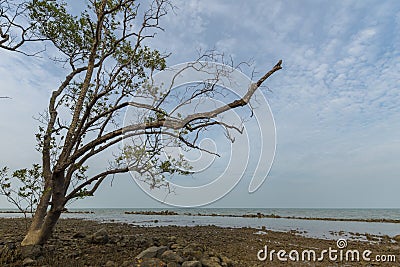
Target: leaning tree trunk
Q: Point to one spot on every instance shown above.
(44, 220)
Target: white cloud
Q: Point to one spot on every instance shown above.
(335, 101)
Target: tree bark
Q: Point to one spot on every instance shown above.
(44, 221)
(38, 235)
(33, 235)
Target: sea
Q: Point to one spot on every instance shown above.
(326, 229)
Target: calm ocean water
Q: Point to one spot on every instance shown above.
(311, 228)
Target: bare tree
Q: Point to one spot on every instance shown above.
(109, 63)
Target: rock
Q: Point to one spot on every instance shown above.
(127, 264)
(216, 259)
(210, 262)
(126, 240)
(163, 241)
(191, 264)
(170, 256)
(397, 238)
(31, 251)
(193, 251)
(115, 239)
(226, 261)
(28, 262)
(175, 246)
(394, 247)
(386, 238)
(100, 237)
(152, 252)
(121, 244)
(151, 262)
(9, 245)
(173, 264)
(142, 242)
(8, 252)
(195, 246)
(110, 264)
(172, 239)
(79, 235)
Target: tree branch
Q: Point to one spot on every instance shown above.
(173, 123)
(102, 175)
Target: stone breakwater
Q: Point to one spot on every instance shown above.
(261, 215)
(164, 212)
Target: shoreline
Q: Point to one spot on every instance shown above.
(308, 228)
(71, 244)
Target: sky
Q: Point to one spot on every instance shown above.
(336, 102)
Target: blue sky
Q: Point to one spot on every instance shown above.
(336, 103)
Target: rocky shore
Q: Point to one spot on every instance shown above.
(88, 243)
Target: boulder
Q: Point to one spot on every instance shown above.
(28, 262)
(100, 237)
(193, 251)
(152, 252)
(170, 256)
(397, 238)
(210, 262)
(195, 246)
(151, 262)
(191, 264)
